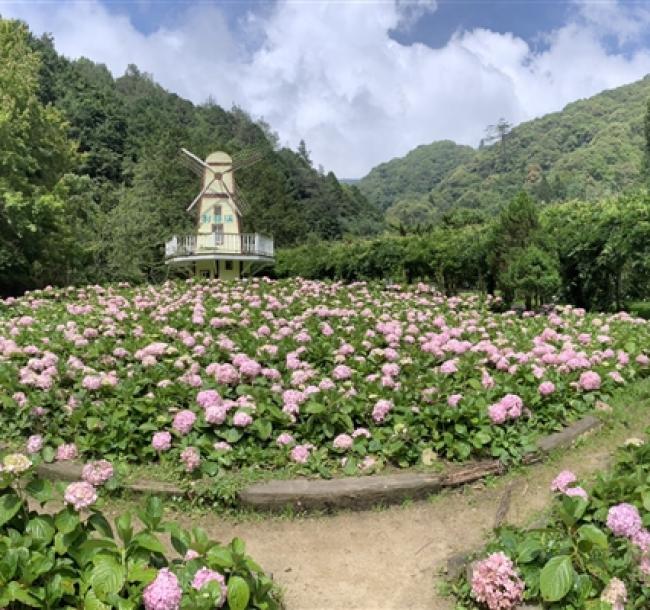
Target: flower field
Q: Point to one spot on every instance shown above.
(594, 552)
(317, 377)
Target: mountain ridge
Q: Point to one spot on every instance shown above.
(590, 149)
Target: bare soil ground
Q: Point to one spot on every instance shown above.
(391, 559)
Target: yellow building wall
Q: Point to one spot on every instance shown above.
(214, 269)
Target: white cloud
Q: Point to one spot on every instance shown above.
(329, 72)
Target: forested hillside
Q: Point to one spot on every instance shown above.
(90, 180)
(593, 148)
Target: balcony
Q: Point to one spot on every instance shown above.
(233, 246)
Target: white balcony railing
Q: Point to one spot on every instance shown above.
(245, 244)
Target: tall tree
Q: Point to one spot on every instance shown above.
(499, 133)
(34, 155)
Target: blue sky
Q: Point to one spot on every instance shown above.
(362, 81)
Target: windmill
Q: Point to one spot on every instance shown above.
(219, 248)
(215, 178)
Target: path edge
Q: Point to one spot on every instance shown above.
(349, 492)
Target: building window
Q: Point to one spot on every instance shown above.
(228, 266)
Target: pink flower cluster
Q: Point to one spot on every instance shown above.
(183, 421)
(80, 495)
(97, 473)
(191, 457)
(496, 583)
(161, 441)
(564, 483)
(508, 408)
(204, 576)
(163, 593)
(624, 520)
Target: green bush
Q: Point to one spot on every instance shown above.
(59, 558)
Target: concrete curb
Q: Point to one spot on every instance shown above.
(348, 492)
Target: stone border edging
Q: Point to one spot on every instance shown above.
(348, 492)
(361, 492)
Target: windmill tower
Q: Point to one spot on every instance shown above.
(218, 248)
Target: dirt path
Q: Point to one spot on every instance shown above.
(389, 559)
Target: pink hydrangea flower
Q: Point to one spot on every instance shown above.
(509, 407)
(191, 458)
(454, 399)
(34, 443)
(577, 492)
(343, 441)
(495, 583)
(242, 419)
(589, 380)
(300, 453)
(342, 372)
(163, 593)
(66, 451)
(161, 441)
(449, 367)
(204, 576)
(563, 480)
(381, 410)
(284, 439)
(97, 473)
(546, 388)
(183, 421)
(80, 495)
(615, 594)
(208, 398)
(624, 520)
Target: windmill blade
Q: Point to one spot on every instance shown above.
(203, 192)
(235, 200)
(243, 205)
(249, 160)
(192, 162)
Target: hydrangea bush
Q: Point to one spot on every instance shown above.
(593, 553)
(72, 557)
(207, 376)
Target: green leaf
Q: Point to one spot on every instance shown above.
(148, 542)
(99, 523)
(220, 558)
(48, 454)
(66, 520)
(17, 592)
(556, 578)
(264, 429)
(646, 499)
(40, 489)
(155, 508)
(593, 534)
(42, 529)
(9, 505)
(92, 603)
(238, 593)
(124, 527)
(314, 408)
(107, 577)
(238, 546)
(528, 549)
